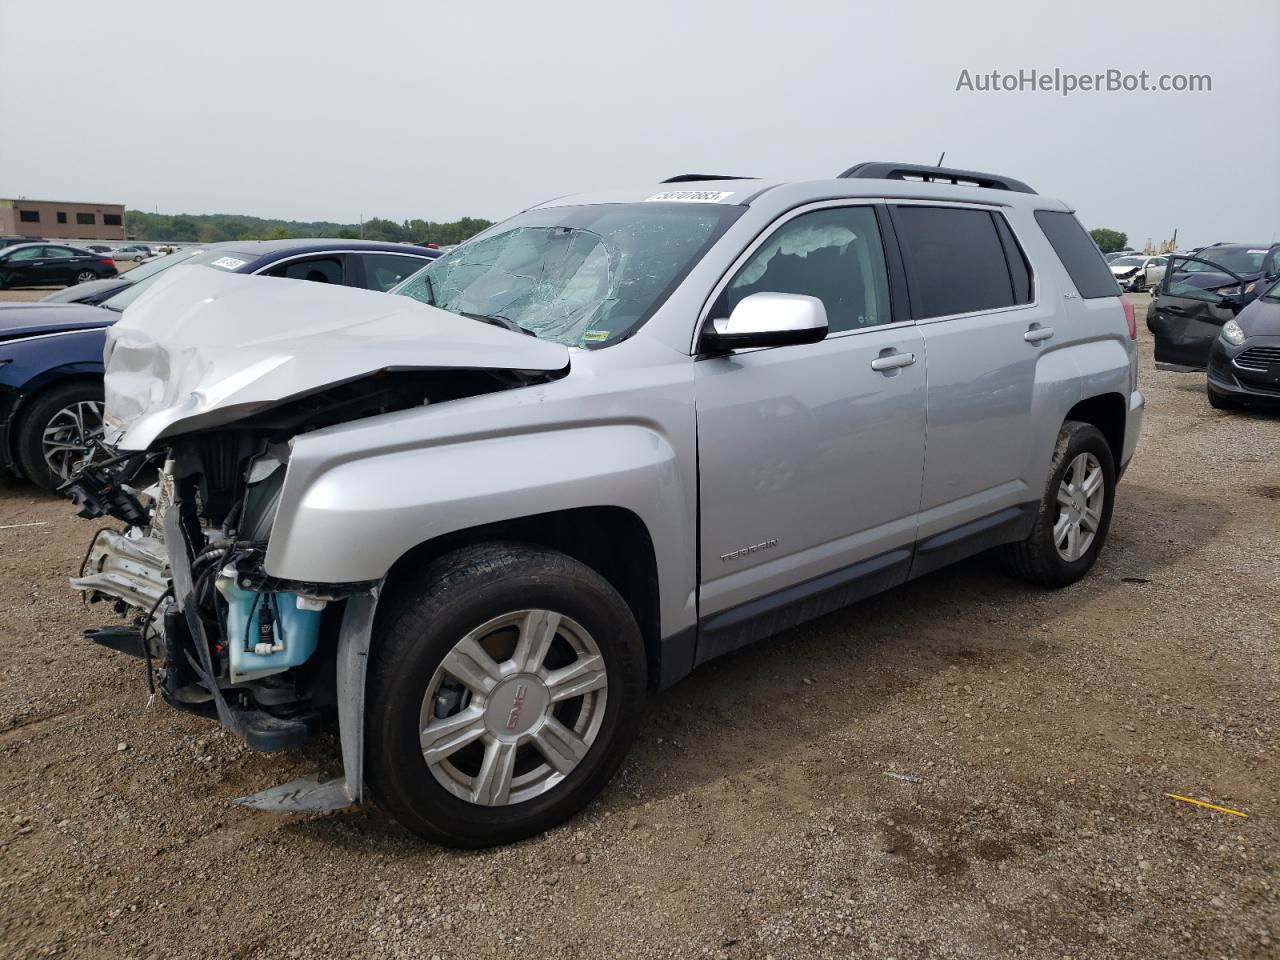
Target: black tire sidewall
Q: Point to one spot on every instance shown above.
(35, 417)
(408, 648)
(1221, 401)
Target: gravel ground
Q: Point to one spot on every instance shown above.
(759, 813)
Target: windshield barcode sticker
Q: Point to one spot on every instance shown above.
(692, 196)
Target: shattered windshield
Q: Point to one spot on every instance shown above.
(582, 276)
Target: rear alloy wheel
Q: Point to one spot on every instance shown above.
(84, 276)
(1074, 514)
(505, 685)
(56, 434)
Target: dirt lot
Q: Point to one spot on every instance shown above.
(755, 816)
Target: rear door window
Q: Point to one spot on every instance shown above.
(382, 271)
(956, 260)
(316, 269)
(1079, 254)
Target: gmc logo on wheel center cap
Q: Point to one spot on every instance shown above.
(516, 706)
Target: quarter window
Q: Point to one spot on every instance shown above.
(1079, 254)
(834, 254)
(957, 261)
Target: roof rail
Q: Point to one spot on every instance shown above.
(694, 177)
(879, 170)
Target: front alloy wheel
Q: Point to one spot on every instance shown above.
(505, 684)
(513, 708)
(57, 432)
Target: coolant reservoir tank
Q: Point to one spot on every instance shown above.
(294, 632)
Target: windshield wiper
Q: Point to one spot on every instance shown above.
(498, 320)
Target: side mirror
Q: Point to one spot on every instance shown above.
(767, 320)
(1233, 302)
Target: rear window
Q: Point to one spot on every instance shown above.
(1079, 254)
(957, 261)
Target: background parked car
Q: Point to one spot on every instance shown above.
(1201, 293)
(137, 252)
(1244, 361)
(1117, 254)
(96, 247)
(96, 291)
(1138, 272)
(51, 353)
(48, 264)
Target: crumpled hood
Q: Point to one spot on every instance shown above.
(202, 348)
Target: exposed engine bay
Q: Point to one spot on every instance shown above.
(220, 636)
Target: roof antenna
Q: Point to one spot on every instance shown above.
(943, 154)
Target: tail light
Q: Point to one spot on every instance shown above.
(1130, 318)
(106, 261)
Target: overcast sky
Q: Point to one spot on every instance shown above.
(438, 109)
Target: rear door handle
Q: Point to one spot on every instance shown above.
(893, 361)
(1038, 333)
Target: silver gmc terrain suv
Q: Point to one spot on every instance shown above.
(594, 447)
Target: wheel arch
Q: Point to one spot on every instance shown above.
(1107, 412)
(32, 392)
(613, 541)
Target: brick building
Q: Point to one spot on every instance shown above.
(55, 220)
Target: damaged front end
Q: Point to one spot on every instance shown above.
(221, 637)
(203, 441)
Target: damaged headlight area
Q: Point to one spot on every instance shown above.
(222, 637)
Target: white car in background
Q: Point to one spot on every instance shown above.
(1138, 272)
(137, 252)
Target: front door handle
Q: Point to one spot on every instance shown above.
(893, 361)
(1037, 333)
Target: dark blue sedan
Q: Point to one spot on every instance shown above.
(51, 353)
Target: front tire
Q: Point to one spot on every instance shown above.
(1220, 401)
(1074, 514)
(55, 432)
(506, 682)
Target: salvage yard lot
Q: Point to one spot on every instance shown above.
(755, 816)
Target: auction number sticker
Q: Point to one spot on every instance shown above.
(229, 263)
(692, 196)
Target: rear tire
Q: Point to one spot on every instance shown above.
(84, 276)
(1220, 401)
(1049, 556)
(56, 409)
(435, 661)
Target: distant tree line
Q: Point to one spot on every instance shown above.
(215, 227)
(1108, 240)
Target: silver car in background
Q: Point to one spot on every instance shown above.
(603, 442)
